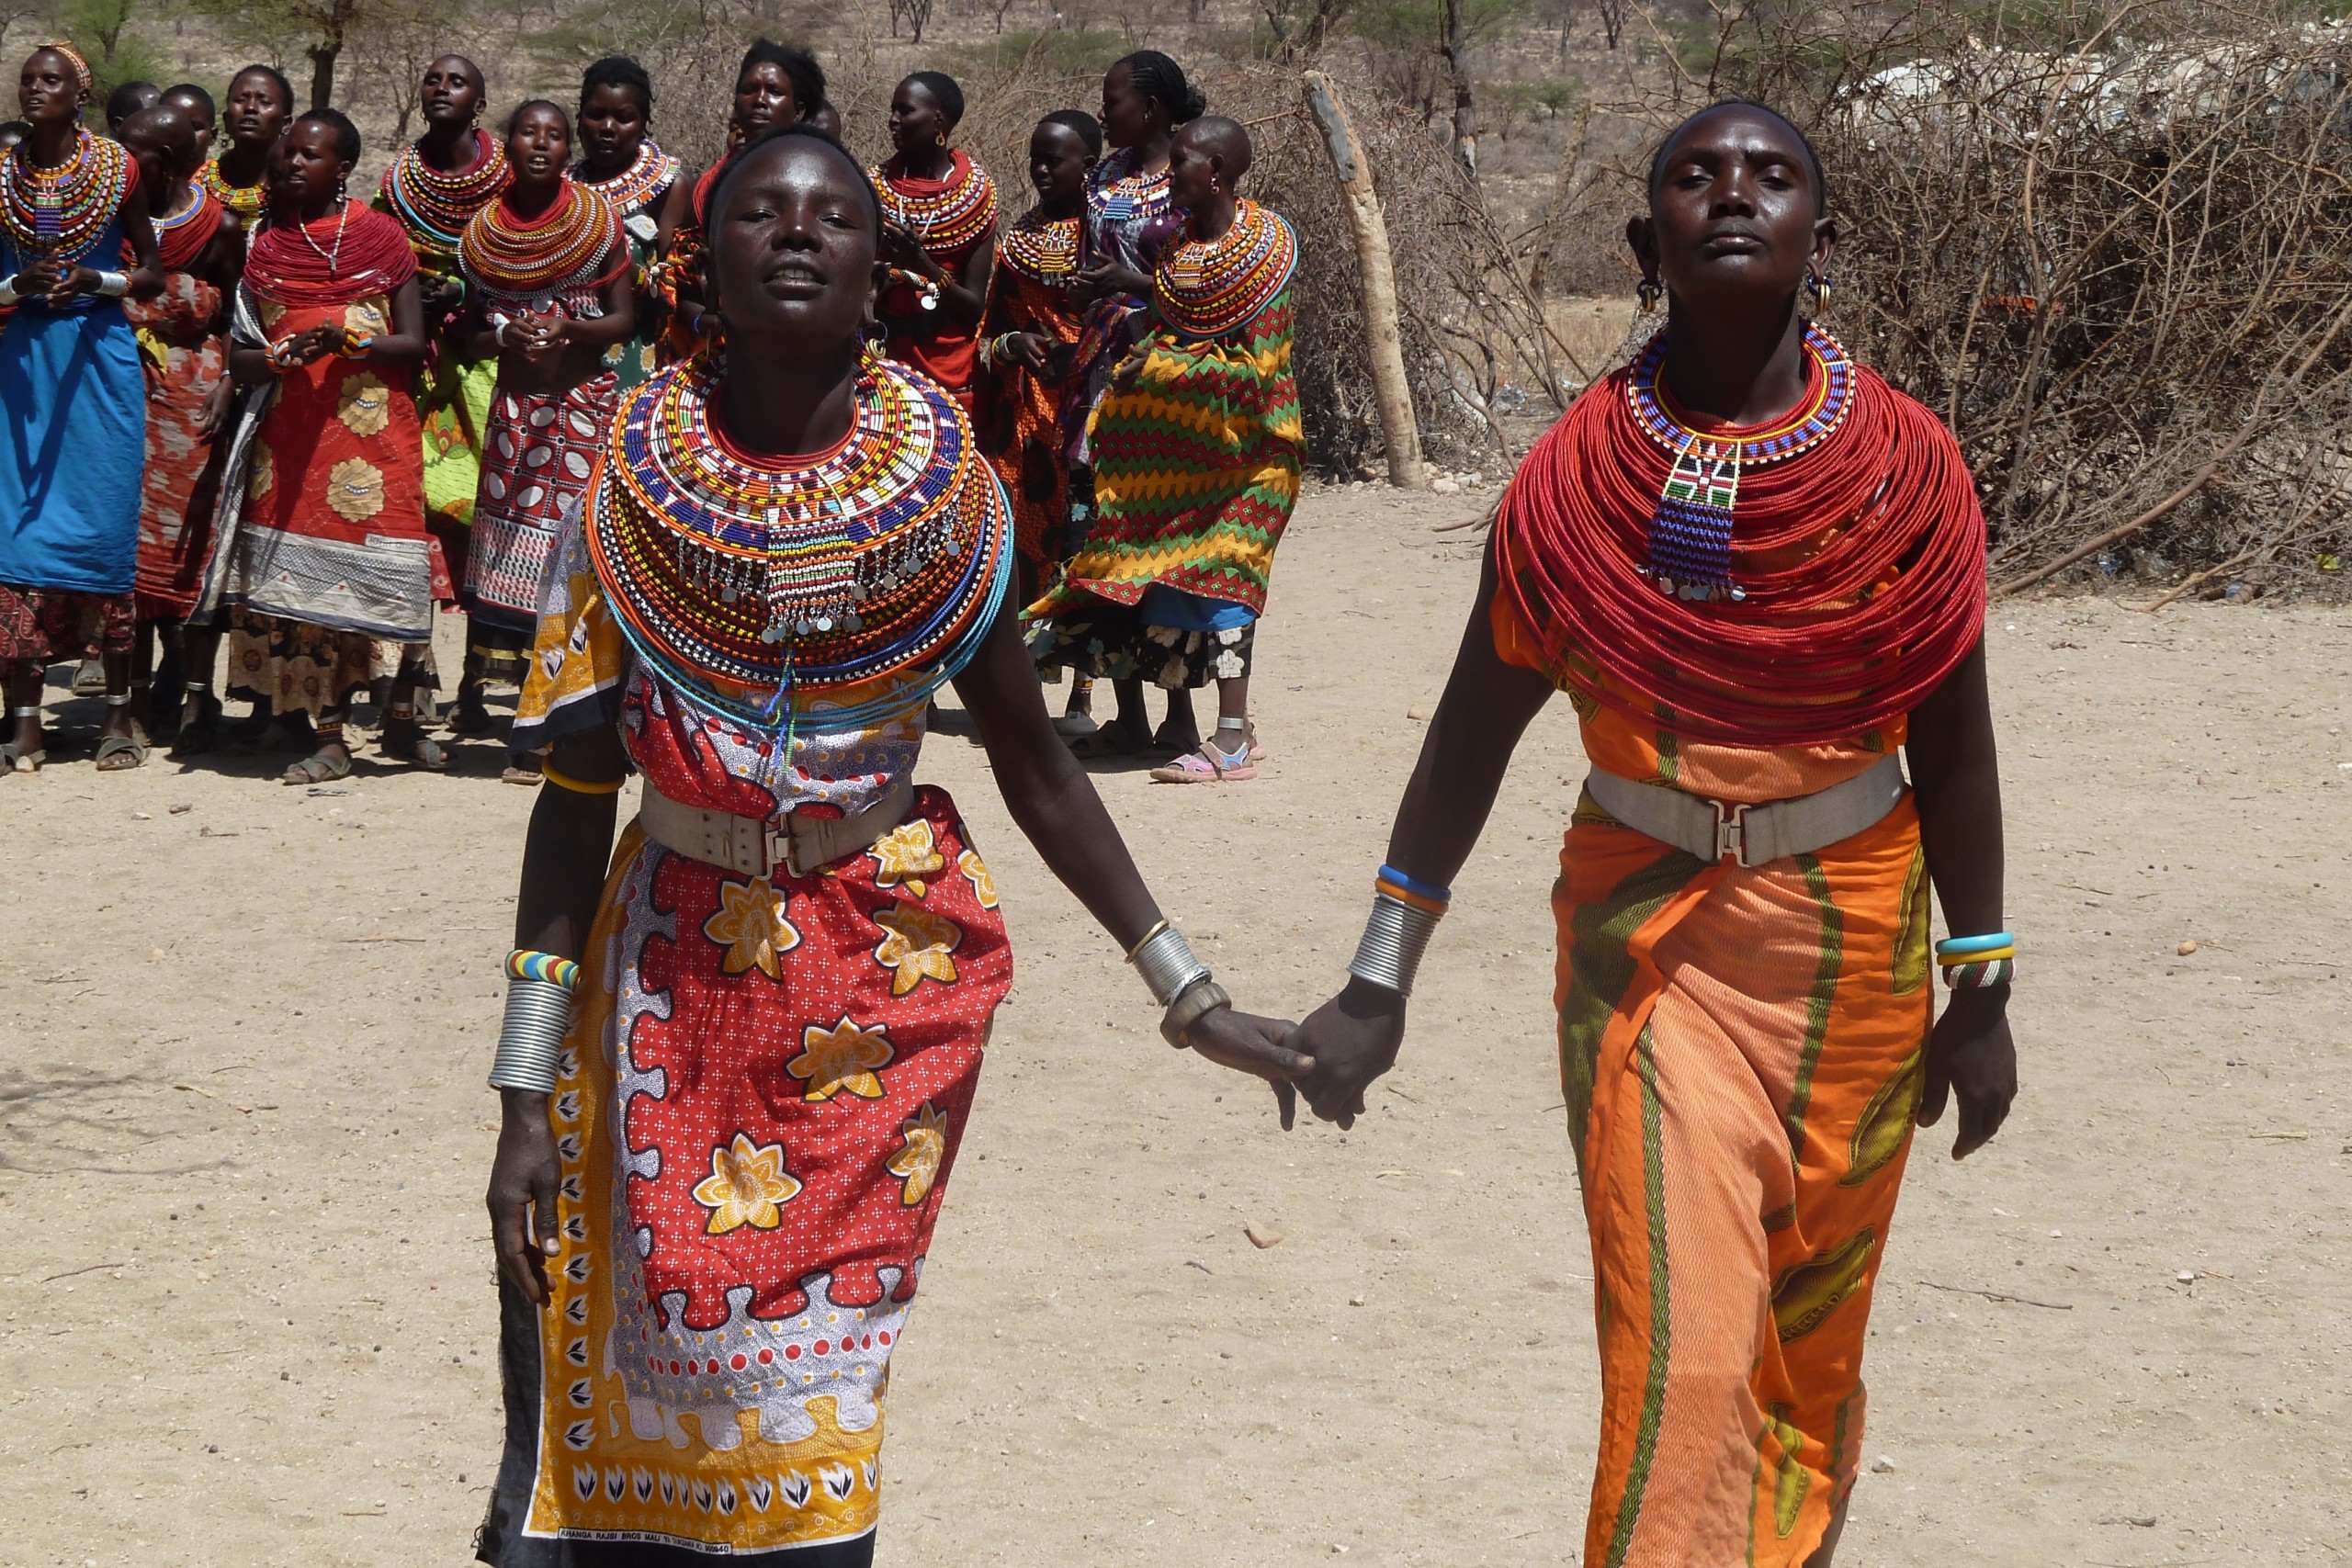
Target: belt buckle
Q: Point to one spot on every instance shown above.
(1731, 833)
(783, 847)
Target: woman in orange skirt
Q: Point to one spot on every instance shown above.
(1757, 572)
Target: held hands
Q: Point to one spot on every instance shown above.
(1349, 1041)
(312, 344)
(1969, 1052)
(1249, 1043)
(39, 276)
(1029, 350)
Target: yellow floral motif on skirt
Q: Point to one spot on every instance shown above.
(918, 946)
(906, 856)
(750, 924)
(747, 1186)
(983, 885)
(842, 1060)
(918, 1164)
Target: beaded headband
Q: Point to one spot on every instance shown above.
(81, 66)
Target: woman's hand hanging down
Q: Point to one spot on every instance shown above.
(563, 872)
(1956, 779)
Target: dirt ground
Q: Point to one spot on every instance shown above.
(246, 1315)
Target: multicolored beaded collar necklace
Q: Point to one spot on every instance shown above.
(1117, 196)
(734, 575)
(948, 215)
(1045, 249)
(1689, 535)
(1208, 287)
(63, 211)
(558, 256)
(245, 202)
(435, 208)
(637, 187)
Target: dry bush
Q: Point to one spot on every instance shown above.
(1443, 250)
(2115, 255)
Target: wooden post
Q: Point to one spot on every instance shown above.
(1398, 428)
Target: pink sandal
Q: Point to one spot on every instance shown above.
(1206, 764)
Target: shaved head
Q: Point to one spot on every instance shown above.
(163, 142)
(1222, 139)
(171, 129)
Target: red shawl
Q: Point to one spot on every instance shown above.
(182, 242)
(1862, 561)
(289, 264)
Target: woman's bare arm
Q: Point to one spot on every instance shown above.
(1487, 705)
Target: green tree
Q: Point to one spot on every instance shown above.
(104, 32)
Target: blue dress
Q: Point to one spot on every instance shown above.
(74, 442)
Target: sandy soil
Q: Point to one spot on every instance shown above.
(245, 1303)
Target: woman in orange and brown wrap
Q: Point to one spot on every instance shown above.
(1757, 572)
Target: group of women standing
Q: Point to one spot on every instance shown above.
(549, 267)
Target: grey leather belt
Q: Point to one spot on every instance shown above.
(1751, 835)
(752, 846)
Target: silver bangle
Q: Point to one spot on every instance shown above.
(114, 284)
(1396, 936)
(8, 295)
(1165, 961)
(530, 1040)
(1200, 997)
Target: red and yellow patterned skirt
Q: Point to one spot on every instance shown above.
(760, 1105)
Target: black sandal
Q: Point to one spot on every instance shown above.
(405, 739)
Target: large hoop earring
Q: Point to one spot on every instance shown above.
(1820, 283)
(1647, 292)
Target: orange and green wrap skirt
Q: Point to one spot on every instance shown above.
(1742, 1052)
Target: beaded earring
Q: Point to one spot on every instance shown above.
(1647, 291)
(1819, 283)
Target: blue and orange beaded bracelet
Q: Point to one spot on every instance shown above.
(1413, 891)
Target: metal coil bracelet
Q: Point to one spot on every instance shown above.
(1165, 961)
(1395, 937)
(531, 1039)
